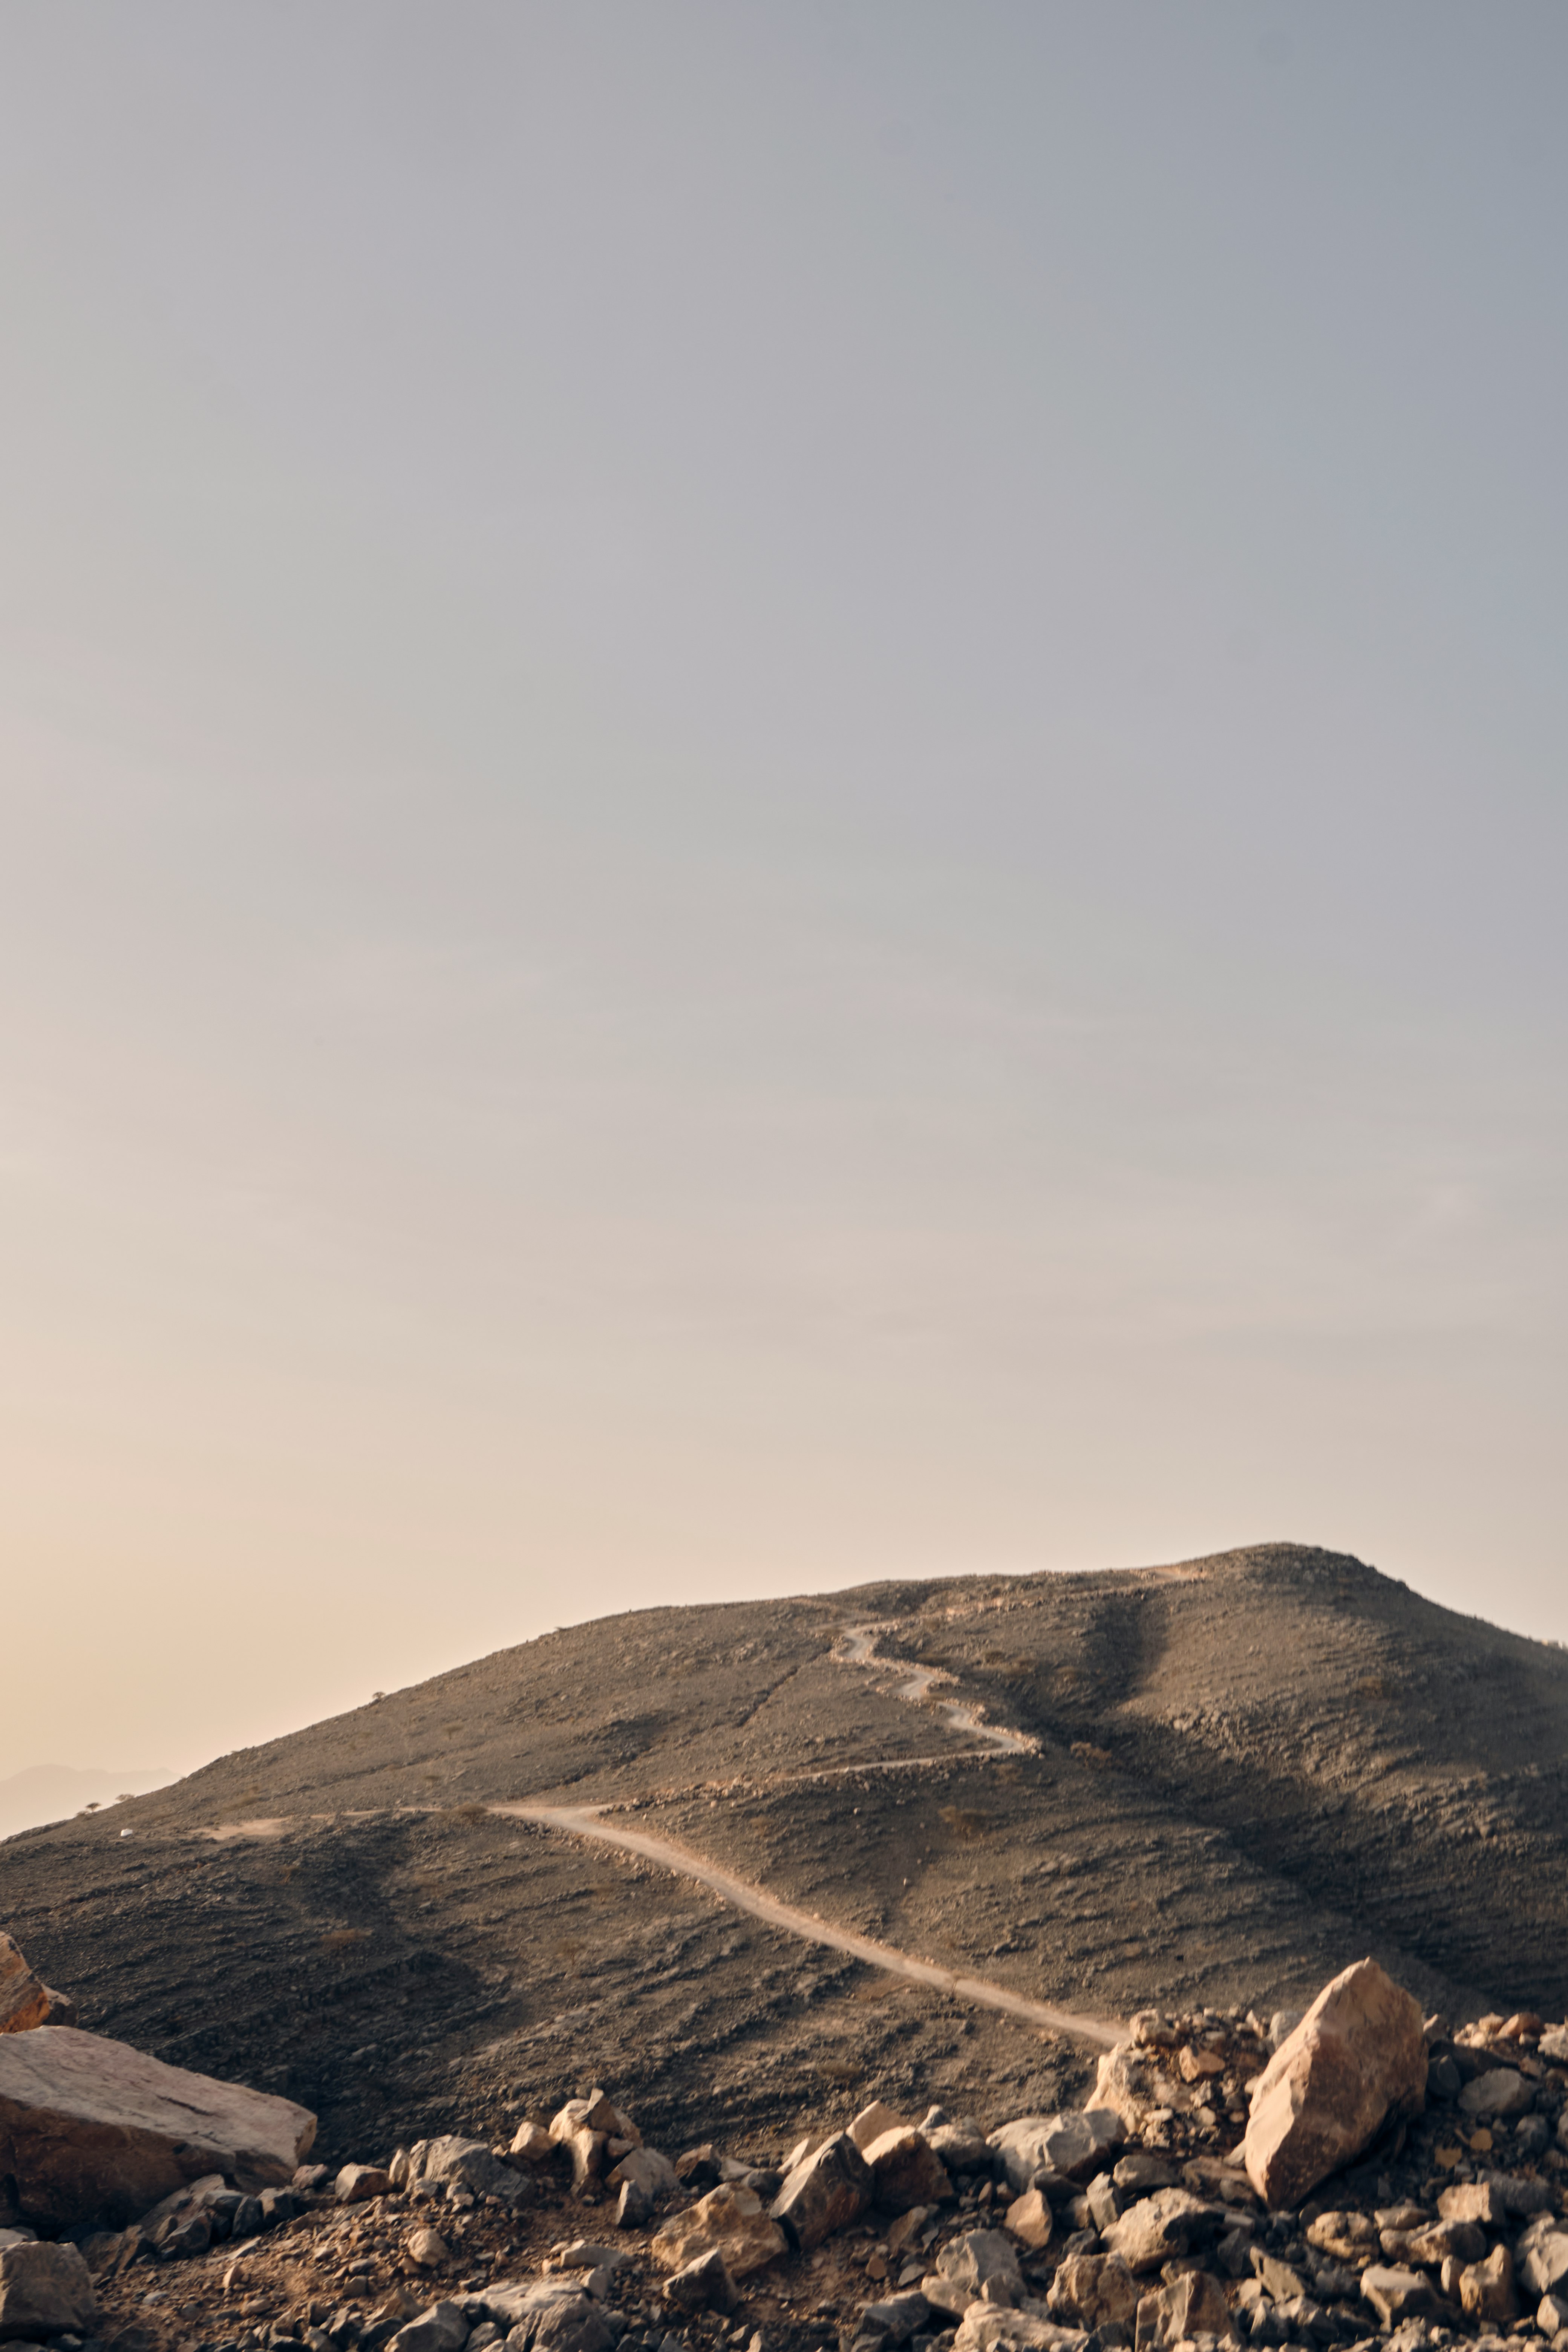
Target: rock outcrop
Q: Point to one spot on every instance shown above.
(1358, 2056)
(91, 2130)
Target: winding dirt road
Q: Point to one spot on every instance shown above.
(586, 1821)
(858, 1649)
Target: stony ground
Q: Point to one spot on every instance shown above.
(1241, 1774)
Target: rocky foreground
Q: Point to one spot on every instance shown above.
(1396, 2183)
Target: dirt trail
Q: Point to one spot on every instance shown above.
(860, 1649)
(585, 1820)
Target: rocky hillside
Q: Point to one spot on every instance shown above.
(1191, 1788)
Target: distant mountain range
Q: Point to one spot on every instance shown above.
(48, 1792)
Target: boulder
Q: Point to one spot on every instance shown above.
(1542, 2255)
(91, 2130)
(533, 2143)
(1161, 2228)
(1358, 2056)
(829, 2190)
(1500, 2093)
(905, 2170)
(702, 2285)
(729, 2220)
(44, 2291)
(1487, 2290)
(1096, 2289)
(1029, 2218)
(1397, 2294)
(1076, 2144)
(25, 2002)
(982, 2262)
(1189, 2305)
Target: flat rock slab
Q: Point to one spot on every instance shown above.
(93, 2130)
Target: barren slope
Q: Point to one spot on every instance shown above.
(1243, 1773)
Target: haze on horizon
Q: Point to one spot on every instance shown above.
(783, 801)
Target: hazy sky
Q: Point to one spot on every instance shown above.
(783, 800)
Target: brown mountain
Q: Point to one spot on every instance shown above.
(1225, 1780)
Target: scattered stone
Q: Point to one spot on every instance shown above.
(633, 2206)
(1076, 2144)
(1029, 2218)
(1500, 2093)
(452, 2162)
(45, 2290)
(1189, 2305)
(427, 2248)
(905, 2170)
(356, 2182)
(1473, 2200)
(958, 2140)
(872, 2122)
(892, 2321)
(1358, 2056)
(1397, 2295)
(703, 2284)
(825, 2193)
(533, 2143)
(1551, 2317)
(985, 2329)
(729, 2220)
(1098, 2289)
(1487, 2290)
(1159, 2228)
(1143, 2171)
(645, 2168)
(982, 2263)
(93, 2130)
(1542, 2255)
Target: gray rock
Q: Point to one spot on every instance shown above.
(45, 2290)
(453, 2162)
(1163, 2227)
(1281, 2026)
(633, 2206)
(892, 2321)
(981, 2264)
(830, 2190)
(444, 2328)
(1498, 2094)
(1396, 2294)
(1541, 2255)
(1078, 2145)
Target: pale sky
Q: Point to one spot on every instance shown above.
(782, 801)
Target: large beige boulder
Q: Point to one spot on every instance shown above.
(93, 2130)
(25, 2002)
(1358, 2056)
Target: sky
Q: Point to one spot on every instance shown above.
(781, 802)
